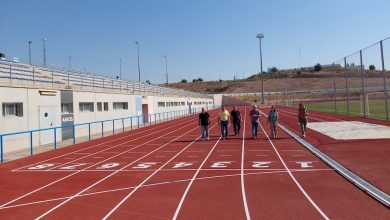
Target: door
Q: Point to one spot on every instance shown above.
(46, 120)
(145, 113)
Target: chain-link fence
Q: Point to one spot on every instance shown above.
(356, 85)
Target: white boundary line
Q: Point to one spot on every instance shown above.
(155, 184)
(150, 176)
(248, 216)
(106, 177)
(192, 181)
(58, 180)
(293, 178)
(162, 124)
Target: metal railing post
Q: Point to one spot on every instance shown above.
(102, 130)
(55, 138)
(113, 126)
(1, 149)
(346, 83)
(384, 82)
(89, 131)
(131, 123)
(123, 125)
(363, 87)
(31, 143)
(334, 88)
(74, 134)
(138, 121)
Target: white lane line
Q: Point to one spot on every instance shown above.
(243, 192)
(63, 178)
(168, 124)
(150, 176)
(192, 180)
(154, 184)
(293, 178)
(122, 168)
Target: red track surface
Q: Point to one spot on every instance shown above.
(164, 172)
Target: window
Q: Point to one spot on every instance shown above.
(120, 105)
(106, 106)
(66, 108)
(99, 107)
(13, 109)
(183, 103)
(86, 106)
(161, 104)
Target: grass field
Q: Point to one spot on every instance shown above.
(376, 108)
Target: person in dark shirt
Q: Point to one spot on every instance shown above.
(236, 120)
(204, 122)
(302, 118)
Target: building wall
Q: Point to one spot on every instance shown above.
(32, 100)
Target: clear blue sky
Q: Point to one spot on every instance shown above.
(201, 38)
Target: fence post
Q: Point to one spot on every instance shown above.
(334, 88)
(74, 134)
(31, 143)
(384, 82)
(346, 83)
(89, 131)
(102, 130)
(113, 126)
(362, 80)
(150, 119)
(131, 123)
(155, 116)
(1, 149)
(138, 121)
(123, 126)
(55, 138)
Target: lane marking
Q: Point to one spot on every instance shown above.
(293, 177)
(101, 180)
(154, 184)
(243, 192)
(63, 178)
(151, 175)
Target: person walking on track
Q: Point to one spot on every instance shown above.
(255, 116)
(273, 120)
(302, 117)
(223, 119)
(236, 120)
(204, 122)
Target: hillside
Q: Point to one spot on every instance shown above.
(286, 80)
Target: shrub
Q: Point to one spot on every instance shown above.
(273, 70)
(183, 81)
(371, 67)
(317, 67)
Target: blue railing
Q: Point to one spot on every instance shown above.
(156, 116)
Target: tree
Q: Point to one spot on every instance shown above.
(317, 67)
(200, 79)
(183, 81)
(273, 69)
(371, 67)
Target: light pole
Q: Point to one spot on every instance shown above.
(44, 51)
(260, 36)
(166, 67)
(29, 52)
(139, 71)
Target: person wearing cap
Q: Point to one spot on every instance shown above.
(302, 118)
(255, 120)
(223, 120)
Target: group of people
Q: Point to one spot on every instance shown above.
(224, 116)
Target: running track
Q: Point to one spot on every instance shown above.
(165, 172)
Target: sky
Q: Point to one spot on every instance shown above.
(214, 39)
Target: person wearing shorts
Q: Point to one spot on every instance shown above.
(204, 122)
(255, 119)
(223, 120)
(236, 120)
(273, 120)
(302, 118)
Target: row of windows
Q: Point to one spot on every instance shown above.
(169, 104)
(89, 106)
(13, 109)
